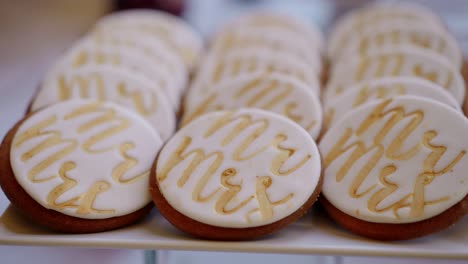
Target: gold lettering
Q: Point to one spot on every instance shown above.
(384, 192)
(106, 116)
(137, 99)
(84, 202)
(431, 76)
(361, 69)
(230, 193)
(64, 88)
(126, 165)
(62, 188)
(242, 123)
(199, 156)
(200, 109)
(54, 139)
(264, 203)
(429, 173)
(88, 198)
(284, 155)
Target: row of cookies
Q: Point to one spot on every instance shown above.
(80, 160)
(245, 163)
(394, 155)
(141, 59)
(383, 50)
(262, 60)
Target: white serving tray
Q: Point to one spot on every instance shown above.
(313, 234)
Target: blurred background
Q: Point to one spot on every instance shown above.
(34, 33)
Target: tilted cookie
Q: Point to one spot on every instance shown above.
(174, 31)
(396, 168)
(241, 61)
(236, 175)
(384, 88)
(274, 92)
(389, 34)
(107, 83)
(87, 52)
(401, 61)
(80, 166)
(276, 39)
(351, 25)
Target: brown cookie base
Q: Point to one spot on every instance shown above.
(388, 232)
(47, 217)
(206, 231)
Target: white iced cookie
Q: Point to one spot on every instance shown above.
(401, 61)
(217, 68)
(87, 52)
(172, 30)
(351, 25)
(241, 169)
(107, 83)
(387, 34)
(277, 39)
(384, 88)
(156, 50)
(273, 92)
(271, 20)
(85, 159)
(400, 160)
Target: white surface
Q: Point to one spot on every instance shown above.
(313, 234)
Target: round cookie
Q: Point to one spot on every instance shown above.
(239, 61)
(273, 92)
(394, 34)
(80, 166)
(396, 169)
(352, 24)
(109, 83)
(87, 52)
(171, 29)
(236, 175)
(401, 61)
(384, 88)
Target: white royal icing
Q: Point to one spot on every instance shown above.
(176, 32)
(107, 83)
(387, 34)
(398, 61)
(400, 160)
(277, 39)
(274, 20)
(88, 52)
(242, 169)
(163, 55)
(353, 23)
(239, 61)
(384, 88)
(274, 92)
(85, 159)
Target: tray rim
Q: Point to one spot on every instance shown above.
(191, 244)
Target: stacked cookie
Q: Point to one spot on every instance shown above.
(80, 160)
(140, 59)
(394, 155)
(245, 163)
(261, 60)
(380, 51)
